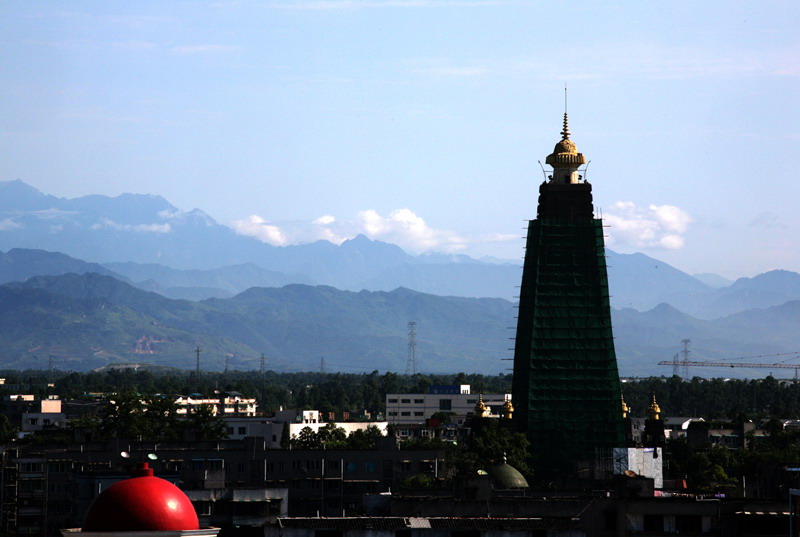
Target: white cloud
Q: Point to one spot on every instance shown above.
(657, 226)
(409, 231)
(255, 226)
(8, 223)
(145, 228)
(325, 220)
(402, 227)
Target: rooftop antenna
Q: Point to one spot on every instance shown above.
(197, 351)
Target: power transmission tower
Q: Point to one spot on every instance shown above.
(685, 353)
(411, 362)
(227, 357)
(322, 364)
(197, 351)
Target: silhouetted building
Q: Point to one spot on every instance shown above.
(566, 387)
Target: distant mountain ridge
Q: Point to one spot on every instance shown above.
(238, 296)
(88, 321)
(148, 241)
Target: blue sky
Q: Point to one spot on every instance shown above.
(419, 122)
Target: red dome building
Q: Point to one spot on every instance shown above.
(141, 504)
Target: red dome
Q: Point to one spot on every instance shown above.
(143, 503)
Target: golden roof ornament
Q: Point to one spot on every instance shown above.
(624, 407)
(508, 409)
(481, 410)
(565, 154)
(655, 410)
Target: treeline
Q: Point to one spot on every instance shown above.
(327, 392)
(734, 399)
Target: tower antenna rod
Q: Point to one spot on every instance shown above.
(197, 351)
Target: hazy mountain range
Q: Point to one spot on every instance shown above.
(138, 254)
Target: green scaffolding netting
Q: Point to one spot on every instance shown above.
(566, 382)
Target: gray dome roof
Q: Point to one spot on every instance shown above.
(505, 476)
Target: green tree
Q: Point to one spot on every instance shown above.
(306, 439)
(205, 424)
(364, 438)
(332, 437)
(8, 432)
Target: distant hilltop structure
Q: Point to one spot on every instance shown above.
(566, 387)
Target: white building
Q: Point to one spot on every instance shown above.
(271, 429)
(46, 414)
(228, 404)
(454, 399)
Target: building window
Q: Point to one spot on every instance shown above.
(350, 466)
(369, 467)
(242, 430)
(31, 467)
(418, 413)
(405, 401)
(424, 432)
(403, 432)
(58, 467)
(405, 413)
(393, 413)
(418, 401)
(392, 400)
(445, 404)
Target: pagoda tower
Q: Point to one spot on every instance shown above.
(566, 387)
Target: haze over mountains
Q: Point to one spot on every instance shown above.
(156, 282)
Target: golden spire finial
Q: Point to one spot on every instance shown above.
(481, 410)
(624, 407)
(565, 131)
(655, 410)
(508, 409)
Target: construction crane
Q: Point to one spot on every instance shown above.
(730, 363)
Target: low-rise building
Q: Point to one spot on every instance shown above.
(227, 404)
(456, 401)
(272, 428)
